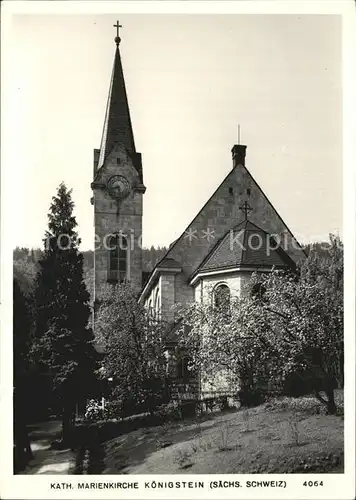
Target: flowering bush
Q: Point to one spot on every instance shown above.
(111, 410)
(305, 404)
(94, 411)
(169, 411)
(294, 328)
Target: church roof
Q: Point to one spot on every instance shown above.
(168, 262)
(164, 264)
(117, 123)
(145, 276)
(204, 243)
(246, 245)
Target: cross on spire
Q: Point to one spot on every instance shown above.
(238, 134)
(117, 26)
(246, 209)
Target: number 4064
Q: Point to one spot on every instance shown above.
(313, 483)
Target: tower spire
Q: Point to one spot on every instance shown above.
(117, 124)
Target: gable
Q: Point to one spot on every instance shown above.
(221, 213)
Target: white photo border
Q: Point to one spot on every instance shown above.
(38, 487)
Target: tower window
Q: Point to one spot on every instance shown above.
(118, 254)
(248, 191)
(118, 161)
(231, 190)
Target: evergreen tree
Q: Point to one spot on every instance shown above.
(21, 342)
(64, 343)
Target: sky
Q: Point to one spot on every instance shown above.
(190, 80)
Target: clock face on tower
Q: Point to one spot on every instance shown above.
(118, 187)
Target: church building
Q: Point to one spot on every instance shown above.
(236, 233)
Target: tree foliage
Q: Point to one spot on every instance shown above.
(21, 369)
(226, 342)
(292, 329)
(151, 256)
(64, 343)
(134, 347)
(26, 266)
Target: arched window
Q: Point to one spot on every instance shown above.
(118, 256)
(222, 297)
(156, 305)
(150, 308)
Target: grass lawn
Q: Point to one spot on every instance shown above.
(288, 435)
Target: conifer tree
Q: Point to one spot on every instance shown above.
(21, 400)
(64, 343)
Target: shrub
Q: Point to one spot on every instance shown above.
(188, 409)
(94, 411)
(250, 397)
(293, 425)
(225, 437)
(146, 398)
(302, 383)
(306, 404)
(199, 409)
(296, 384)
(246, 419)
(223, 403)
(93, 433)
(111, 410)
(169, 411)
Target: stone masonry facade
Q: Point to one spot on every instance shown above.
(112, 217)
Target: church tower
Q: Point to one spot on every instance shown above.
(117, 192)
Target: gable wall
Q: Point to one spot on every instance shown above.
(222, 213)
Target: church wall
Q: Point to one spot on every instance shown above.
(172, 289)
(245, 278)
(198, 292)
(233, 281)
(237, 282)
(162, 297)
(167, 290)
(184, 293)
(153, 301)
(221, 383)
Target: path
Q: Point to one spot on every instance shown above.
(45, 460)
